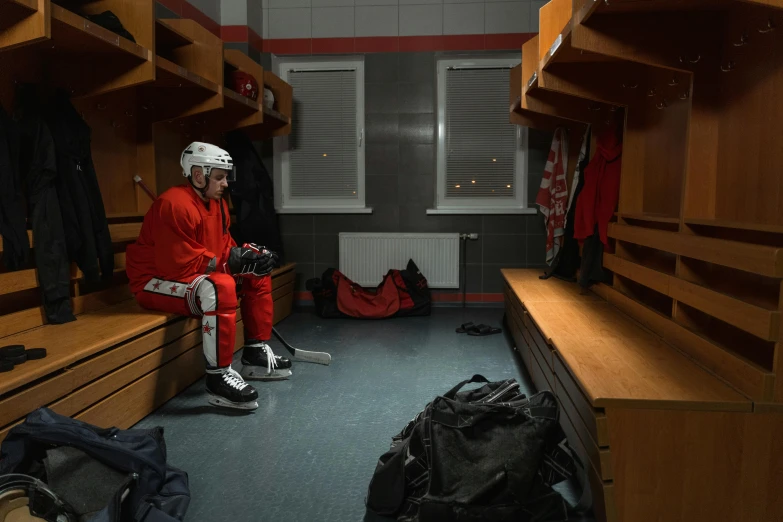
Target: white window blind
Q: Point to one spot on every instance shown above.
(482, 160)
(481, 145)
(319, 167)
(324, 155)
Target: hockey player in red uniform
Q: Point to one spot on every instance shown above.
(186, 262)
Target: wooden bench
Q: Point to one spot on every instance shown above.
(664, 439)
(117, 362)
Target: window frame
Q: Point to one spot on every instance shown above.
(444, 205)
(282, 160)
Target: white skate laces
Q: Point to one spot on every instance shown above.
(271, 359)
(233, 379)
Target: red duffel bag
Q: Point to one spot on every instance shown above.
(401, 293)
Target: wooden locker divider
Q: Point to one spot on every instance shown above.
(278, 118)
(23, 22)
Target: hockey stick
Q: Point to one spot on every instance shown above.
(303, 355)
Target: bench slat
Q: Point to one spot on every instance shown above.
(111, 382)
(129, 405)
(74, 341)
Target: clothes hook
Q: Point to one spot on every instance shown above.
(685, 58)
(634, 86)
(728, 67)
(594, 107)
(684, 96)
(769, 28)
(662, 104)
(744, 39)
(652, 92)
(128, 113)
(673, 82)
(101, 107)
(115, 124)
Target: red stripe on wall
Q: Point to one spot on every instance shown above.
(189, 11)
(377, 44)
(506, 41)
(333, 45)
(420, 43)
(234, 33)
(289, 46)
(468, 42)
(255, 40)
(173, 5)
(385, 44)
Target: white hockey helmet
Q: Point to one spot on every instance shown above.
(208, 157)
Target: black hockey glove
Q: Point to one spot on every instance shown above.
(251, 260)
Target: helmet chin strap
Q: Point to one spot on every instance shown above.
(202, 191)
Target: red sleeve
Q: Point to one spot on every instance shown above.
(178, 254)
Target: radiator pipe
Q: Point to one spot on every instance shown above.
(464, 262)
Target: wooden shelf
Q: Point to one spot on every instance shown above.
(748, 377)
(236, 99)
(753, 319)
(73, 33)
(173, 75)
(758, 259)
(21, 23)
(562, 51)
(653, 218)
(169, 37)
(32, 5)
(591, 7)
(281, 118)
(739, 225)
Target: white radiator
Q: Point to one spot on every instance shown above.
(366, 257)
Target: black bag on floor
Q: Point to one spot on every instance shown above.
(146, 488)
(488, 454)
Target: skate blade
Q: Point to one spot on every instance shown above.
(257, 373)
(216, 400)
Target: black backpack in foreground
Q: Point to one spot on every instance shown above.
(488, 454)
(144, 488)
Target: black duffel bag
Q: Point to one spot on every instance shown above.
(488, 454)
(102, 475)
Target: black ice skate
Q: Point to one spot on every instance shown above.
(226, 388)
(259, 363)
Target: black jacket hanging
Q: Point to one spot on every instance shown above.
(84, 217)
(253, 196)
(38, 168)
(13, 225)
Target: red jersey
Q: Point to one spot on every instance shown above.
(180, 235)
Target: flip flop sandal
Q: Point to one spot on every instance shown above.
(464, 327)
(483, 330)
(18, 359)
(13, 350)
(35, 353)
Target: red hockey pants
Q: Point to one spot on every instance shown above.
(214, 299)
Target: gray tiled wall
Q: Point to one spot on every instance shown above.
(400, 104)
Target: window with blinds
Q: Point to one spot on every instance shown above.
(481, 156)
(323, 161)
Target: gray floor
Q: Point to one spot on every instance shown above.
(308, 452)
